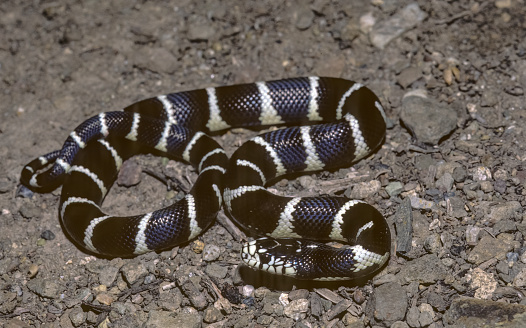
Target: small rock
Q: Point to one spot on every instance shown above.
(212, 314)
(445, 182)
(304, 18)
(470, 312)
(108, 274)
(133, 271)
(459, 174)
(384, 32)
(489, 248)
(130, 174)
(472, 235)
(216, 271)
(481, 173)
(298, 294)
(47, 288)
(420, 203)
(77, 316)
(509, 210)
(427, 315)
(364, 190)
(408, 76)
(394, 188)
(520, 279)
(211, 252)
(427, 269)
(456, 207)
(428, 120)
(412, 317)
(197, 299)
(297, 309)
(30, 211)
(105, 298)
(47, 235)
(200, 29)
(388, 303)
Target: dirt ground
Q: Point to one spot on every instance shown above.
(463, 227)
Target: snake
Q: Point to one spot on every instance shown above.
(322, 124)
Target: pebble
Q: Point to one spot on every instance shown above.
(200, 29)
(470, 313)
(133, 270)
(77, 316)
(472, 235)
(30, 211)
(491, 248)
(108, 274)
(197, 299)
(445, 182)
(427, 269)
(304, 18)
(520, 279)
(297, 309)
(385, 31)
(508, 210)
(394, 188)
(459, 174)
(211, 252)
(298, 294)
(427, 315)
(216, 271)
(5, 185)
(420, 203)
(45, 287)
(130, 174)
(47, 235)
(211, 314)
(408, 76)
(387, 304)
(428, 120)
(364, 190)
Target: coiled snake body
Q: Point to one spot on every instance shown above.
(350, 124)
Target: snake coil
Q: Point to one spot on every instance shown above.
(338, 122)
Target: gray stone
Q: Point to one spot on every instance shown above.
(133, 271)
(211, 252)
(130, 174)
(408, 76)
(427, 120)
(364, 190)
(387, 304)
(77, 316)
(412, 317)
(216, 271)
(427, 269)
(200, 29)
(168, 319)
(509, 210)
(108, 274)
(304, 18)
(384, 32)
(47, 288)
(445, 182)
(471, 313)
(489, 248)
(394, 188)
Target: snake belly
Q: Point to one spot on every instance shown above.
(336, 123)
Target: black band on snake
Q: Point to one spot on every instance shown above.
(350, 124)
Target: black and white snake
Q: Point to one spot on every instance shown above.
(350, 123)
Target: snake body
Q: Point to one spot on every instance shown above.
(349, 124)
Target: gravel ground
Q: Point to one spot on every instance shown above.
(449, 178)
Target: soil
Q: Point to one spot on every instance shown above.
(62, 62)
